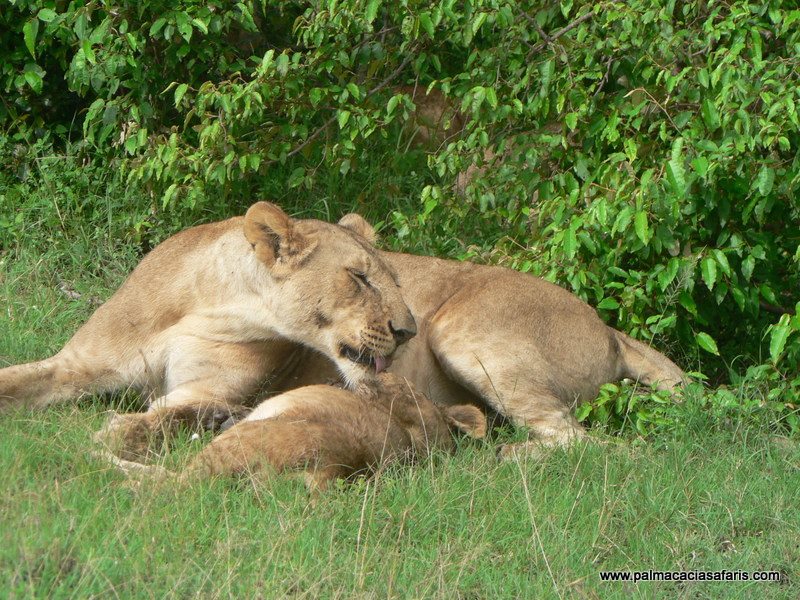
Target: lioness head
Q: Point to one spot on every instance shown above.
(332, 290)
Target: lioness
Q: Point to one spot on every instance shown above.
(207, 317)
(200, 316)
(328, 433)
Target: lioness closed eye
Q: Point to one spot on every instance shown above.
(330, 433)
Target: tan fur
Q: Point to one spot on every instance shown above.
(525, 347)
(201, 319)
(329, 433)
(208, 315)
(435, 120)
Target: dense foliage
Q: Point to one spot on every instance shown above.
(643, 153)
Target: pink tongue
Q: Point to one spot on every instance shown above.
(380, 363)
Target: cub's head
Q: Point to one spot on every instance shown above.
(331, 290)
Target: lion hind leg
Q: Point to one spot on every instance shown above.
(504, 381)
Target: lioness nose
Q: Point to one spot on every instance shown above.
(403, 330)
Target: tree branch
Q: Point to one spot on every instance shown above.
(775, 309)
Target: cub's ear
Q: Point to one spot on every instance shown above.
(467, 419)
(274, 235)
(358, 224)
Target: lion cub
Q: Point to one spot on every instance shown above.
(330, 433)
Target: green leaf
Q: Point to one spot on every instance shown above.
(29, 31)
(180, 91)
(392, 103)
(342, 118)
(571, 119)
(168, 195)
(631, 150)
(266, 62)
(668, 275)
(608, 304)
(722, 261)
(547, 69)
(688, 302)
(478, 22)
(184, 26)
(764, 180)
(748, 265)
(768, 293)
(587, 242)
(755, 38)
(570, 242)
(354, 91)
(157, 26)
(676, 174)
(676, 178)
(739, 298)
(583, 411)
(491, 97)
(372, 10)
(94, 109)
(86, 46)
(282, 64)
(131, 145)
(426, 23)
(623, 220)
(710, 115)
(777, 338)
(81, 27)
(46, 15)
(708, 268)
(34, 80)
(201, 25)
(707, 343)
(700, 165)
(297, 176)
(641, 227)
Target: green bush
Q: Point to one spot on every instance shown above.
(642, 153)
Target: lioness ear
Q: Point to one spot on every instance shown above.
(466, 418)
(358, 224)
(274, 236)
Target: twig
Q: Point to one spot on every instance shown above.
(538, 28)
(569, 27)
(309, 139)
(657, 103)
(604, 80)
(775, 309)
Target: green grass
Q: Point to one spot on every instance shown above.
(718, 492)
(462, 526)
